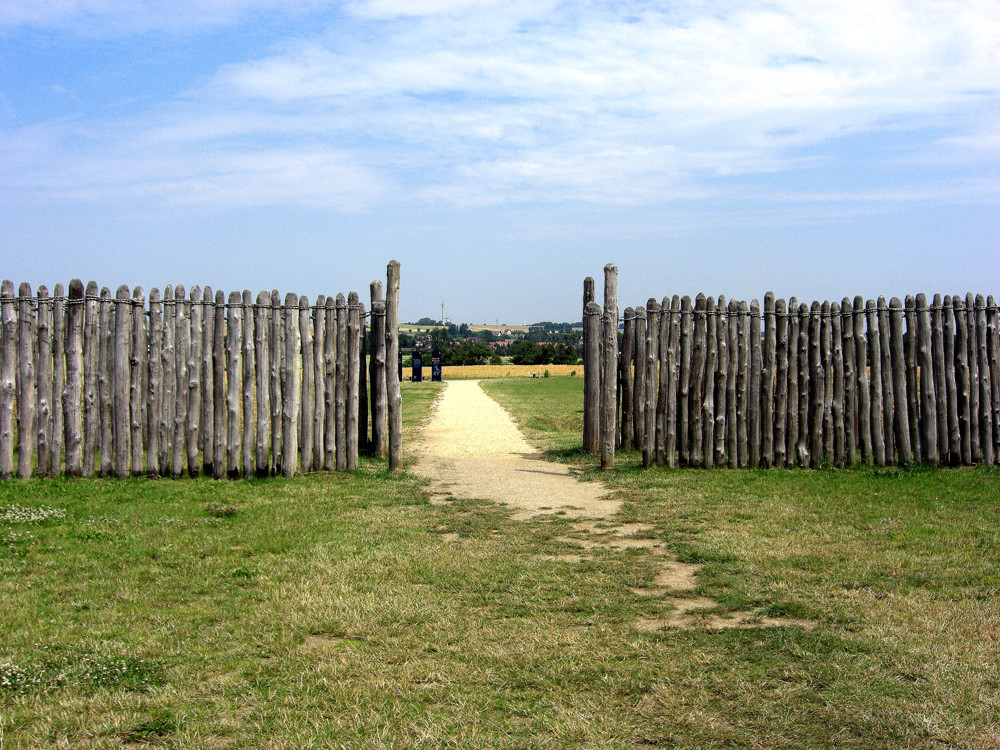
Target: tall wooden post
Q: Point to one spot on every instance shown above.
(697, 384)
(353, 379)
(781, 383)
(875, 381)
(277, 369)
(234, 384)
(91, 374)
(928, 405)
(626, 422)
(953, 456)
(767, 383)
(207, 381)
(901, 424)
(592, 382)
(122, 382)
(634, 359)
(219, 425)
(652, 381)
(25, 381)
(965, 414)
(974, 386)
(805, 378)
(826, 356)
(993, 355)
(837, 404)
(864, 392)
(154, 389)
(792, 420)
(8, 378)
(912, 388)
(330, 385)
(609, 374)
(319, 380)
(291, 388)
(940, 388)
(708, 388)
(756, 368)
(59, 377)
(395, 401)
(850, 384)
(43, 364)
(138, 348)
(263, 373)
(308, 386)
(733, 344)
(168, 367)
(380, 445)
(722, 370)
(341, 385)
(105, 380)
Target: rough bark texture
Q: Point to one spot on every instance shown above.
(340, 398)
(864, 392)
(875, 381)
(697, 384)
(609, 375)
(353, 378)
(207, 441)
(837, 404)
(277, 368)
(380, 446)
(154, 387)
(262, 371)
(756, 365)
(234, 385)
(8, 379)
(652, 381)
(291, 389)
(950, 396)
(708, 390)
(43, 366)
(591, 382)
(105, 382)
(962, 380)
(26, 397)
(626, 381)
(902, 423)
(219, 425)
(72, 418)
(138, 347)
(767, 383)
(308, 385)
(792, 422)
(928, 405)
(635, 361)
(91, 376)
(395, 401)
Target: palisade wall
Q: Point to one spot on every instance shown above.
(716, 382)
(191, 381)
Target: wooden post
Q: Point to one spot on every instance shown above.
(8, 379)
(220, 423)
(168, 365)
(318, 380)
(953, 456)
(817, 387)
(767, 383)
(708, 399)
(26, 335)
(362, 380)
(668, 311)
(154, 392)
(234, 385)
(993, 354)
(262, 376)
(756, 367)
(208, 381)
(634, 359)
(875, 383)
(792, 421)
(912, 389)
(353, 378)
(58, 434)
(781, 383)
(380, 446)
(902, 423)
(970, 324)
(330, 385)
(826, 357)
(277, 369)
(940, 388)
(182, 342)
(850, 383)
(928, 405)
(609, 378)
(91, 373)
(340, 396)
(121, 381)
(888, 395)
(43, 365)
(591, 382)
(697, 385)
(626, 381)
(591, 416)
(246, 368)
(743, 385)
(962, 379)
(105, 380)
(684, 382)
(194, 361)
(864, 391)
(802, 446)
(395, 401)
(733, 343)
(308, 386)
(651, 380)
(837, 402)
(138, 347)
(722, 372)
(985, 387)
(291, 388)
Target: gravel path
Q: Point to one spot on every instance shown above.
(472, 449)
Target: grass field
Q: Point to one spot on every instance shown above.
(481, 372)
(345, 611)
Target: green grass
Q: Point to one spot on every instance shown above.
(548, 410)
(345, 611)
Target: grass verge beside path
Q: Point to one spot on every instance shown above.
(900, 568)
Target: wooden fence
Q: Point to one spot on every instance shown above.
(726, 383)
(190, 382)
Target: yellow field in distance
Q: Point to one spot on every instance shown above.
(450, 372)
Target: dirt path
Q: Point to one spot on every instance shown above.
(472, 448)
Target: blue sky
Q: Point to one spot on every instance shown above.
(503, 150)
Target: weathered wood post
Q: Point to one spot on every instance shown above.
(263, 373)
(697, 384)
(219, 425)
(634, 359)
(708, 390)
(59, 377)
(341, 385)
(247, 389)
(592, 382)
(912, 387)
(940, 389)
(308, 386)
(121, 382)
(168, 366)
(722, 373)
(26, 335)
(105, 380)
(395, 401)
(888, 395)
(626, 422)
(928, 405)
(380, 447)
(792, 420)
(362, 379)
(277, 369)
(138, 346)
(43, 363)
(781, 383)
(666, 316)
(330, 385)
(817, 386)
(182, 342)
(974, 387)
(732, 332)
(961, 381)
(319, 380)
(743, 386)
(756, 368)
(802, 447)
(954, 454)
(902, 423)
(154, 390)
(353, 378)
(208, 381)
(767, 383)
(993, 354)
(864, 392)
(651, 380)
(291, 388)
(193, 420)
(837, 404)
(875, 383)
(234, 385)
(91, 374)
(609, 374)
(826, 356)
(684, 381)
(8, 379)
(850, 383)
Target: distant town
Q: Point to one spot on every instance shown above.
(479, 344)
